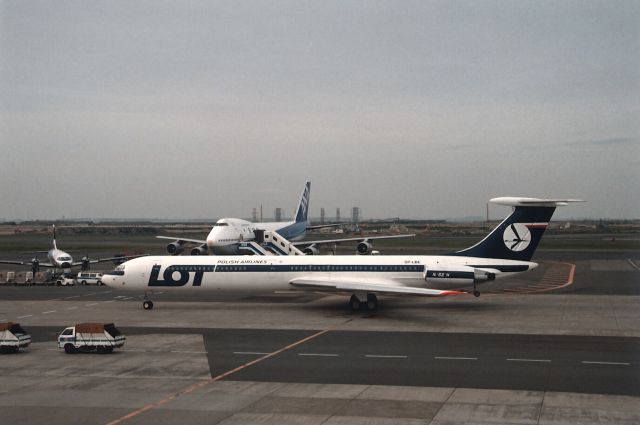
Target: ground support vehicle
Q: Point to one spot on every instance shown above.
(85, 337)
(13, 337)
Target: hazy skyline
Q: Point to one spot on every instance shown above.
(417, 109)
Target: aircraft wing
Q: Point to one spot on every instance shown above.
(364, 285)
(359, 239)
(103, 260)
(323, 226)
(174, 238)
(26, 263)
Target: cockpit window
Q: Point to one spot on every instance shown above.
(64, 258)
(220, 224)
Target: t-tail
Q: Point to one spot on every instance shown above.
(303, 207)
(518, 236)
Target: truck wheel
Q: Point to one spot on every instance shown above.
(99, 283)
(69, 349)
(84, 282)
(58, 282)
(147, 305)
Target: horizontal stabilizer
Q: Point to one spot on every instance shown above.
(532, 202)
(368, 286)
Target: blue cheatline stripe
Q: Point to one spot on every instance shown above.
(502, 268)
(444, 274)
(320, 268)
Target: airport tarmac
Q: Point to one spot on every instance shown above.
(556, 351)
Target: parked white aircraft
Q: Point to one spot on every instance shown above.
(229, 233)
(61, 260)
(506, 251)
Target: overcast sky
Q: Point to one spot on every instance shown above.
(179, 109)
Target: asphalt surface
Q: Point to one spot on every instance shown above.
(599, 365)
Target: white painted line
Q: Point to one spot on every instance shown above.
(72, 308)
(127, 298)
(250, 353)
(91, 304)
(456, 358)
(89, 294)
(120, 296)
(107, 292)
(530, 360)
(318, 354)
(189, 352)
(110, 301)
(74, 296)
(138, 351)
(633, 264)
(48, 312)
(22, 317)
(380, 356)
(53, 349)
(608, 363)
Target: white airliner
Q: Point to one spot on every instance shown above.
(61, 260)
(506, 251)
(228, 234)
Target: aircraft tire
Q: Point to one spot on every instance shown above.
(476, 293)
(354, 303)
(147, 305)
(372, 302)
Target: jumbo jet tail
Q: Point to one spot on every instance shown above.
(517, 237)
(303, 207)
(54, 237)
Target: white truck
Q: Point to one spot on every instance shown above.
(13, 337)
(85, 337)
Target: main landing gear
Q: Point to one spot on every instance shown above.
(371, 304)
(476, 293)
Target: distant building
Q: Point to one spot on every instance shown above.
(254, 215)
(355, 215)
(321, 215)
(278, 214)
(338, 215)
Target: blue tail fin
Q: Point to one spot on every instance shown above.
(303, 207)
(517, 237)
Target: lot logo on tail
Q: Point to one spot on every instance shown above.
(517, 237)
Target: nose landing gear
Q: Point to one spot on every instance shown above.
(147, 304)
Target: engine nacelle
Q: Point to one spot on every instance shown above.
(200, 250)
(175, 248)
(364, 248)
(458, 275)
(311, 250)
